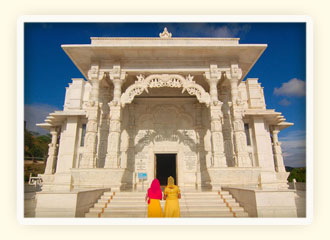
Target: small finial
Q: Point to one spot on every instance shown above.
(165, 34)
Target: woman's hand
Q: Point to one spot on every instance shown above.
(164, 197)
(146, 198)
(179, 196)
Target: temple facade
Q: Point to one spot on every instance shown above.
(154, 107)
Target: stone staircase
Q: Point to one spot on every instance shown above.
(192, 204)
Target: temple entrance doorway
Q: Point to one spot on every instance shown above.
(165, 166)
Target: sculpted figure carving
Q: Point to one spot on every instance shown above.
(114, 126)
(114, 142)
(91, 126)
(241, 143)
(90, 142)
(238, 125)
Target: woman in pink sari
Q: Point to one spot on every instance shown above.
(153, 196)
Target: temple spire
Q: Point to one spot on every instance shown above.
(165, 34)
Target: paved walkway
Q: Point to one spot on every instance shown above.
(29, 200)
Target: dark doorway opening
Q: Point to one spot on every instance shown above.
(165, 167)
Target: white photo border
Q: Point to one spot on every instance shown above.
(175, 19)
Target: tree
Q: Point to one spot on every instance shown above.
(35, 145)
(299, 174)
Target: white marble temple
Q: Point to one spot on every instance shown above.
(148, 96)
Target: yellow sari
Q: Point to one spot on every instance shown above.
(172, 208)
(154, 208)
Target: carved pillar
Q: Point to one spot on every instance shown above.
(199, 135)
(219, 160)
(112, 159)
(200, 147)
(89, 157)
(224, 95)
(52, 152)
(103, 125)
(240, 144)
(277, 149)
(131, 133)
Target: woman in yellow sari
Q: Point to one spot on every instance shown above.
(171, 195)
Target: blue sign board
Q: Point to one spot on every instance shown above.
(142, 175)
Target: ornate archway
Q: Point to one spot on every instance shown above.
(165, 80)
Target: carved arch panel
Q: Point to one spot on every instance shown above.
(165, 80)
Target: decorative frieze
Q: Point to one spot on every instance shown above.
(165, 80)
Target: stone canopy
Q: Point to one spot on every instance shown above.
(150, 54)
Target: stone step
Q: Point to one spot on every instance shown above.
(95, 210)
(162, 203)
(211, 197)
(219, 209)
(128, 204)
(130, 193)
(241, 214)
(205, 193)
(210, 201)
(182, 204)
(206, 214)
(200, 204)
(192, 204)
(182, 213)
(107, 193)
(182, 207)
(100, 205)
(128, 210)
(103, 201)
(237, 209)
(124, 199)
(229, 200)
(128, 197)
(233, 204)
(201, 197)
(106, 197)
(125, 208)
(91, 215)
(226, 196)
(143, 194)
(124, 215)
(207, 208)
(183, 193)
(223, 192)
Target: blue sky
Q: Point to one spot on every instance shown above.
(281, 69)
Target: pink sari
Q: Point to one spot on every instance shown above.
(154, 192)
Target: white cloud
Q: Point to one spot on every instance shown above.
(37, 113)
(207, 30)
(294, 149)
(295, 88)
(284, 102)
(231, 30)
